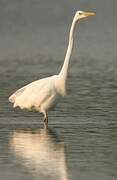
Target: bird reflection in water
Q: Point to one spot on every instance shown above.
(41, 152)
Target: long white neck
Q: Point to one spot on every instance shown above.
(64, 71)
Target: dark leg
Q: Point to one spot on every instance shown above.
(45, 120)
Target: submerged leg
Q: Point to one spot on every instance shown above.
(45, 119)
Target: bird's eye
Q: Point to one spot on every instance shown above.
(80, 13)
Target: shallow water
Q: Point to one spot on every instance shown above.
(81, 140)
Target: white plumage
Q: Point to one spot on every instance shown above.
(43, 94)
(40, 94)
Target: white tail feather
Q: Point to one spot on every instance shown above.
(13, 97)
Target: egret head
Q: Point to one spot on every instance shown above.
(82, 14)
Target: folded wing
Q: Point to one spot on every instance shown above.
(34, 94)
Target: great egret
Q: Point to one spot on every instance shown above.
(43, 94)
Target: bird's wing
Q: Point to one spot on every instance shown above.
(34, 84)
(34, 94)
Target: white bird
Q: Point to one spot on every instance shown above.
(43, 94)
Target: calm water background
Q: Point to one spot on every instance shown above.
(81, 143)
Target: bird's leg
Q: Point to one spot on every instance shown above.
(45, 120)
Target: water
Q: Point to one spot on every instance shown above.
(81, 142)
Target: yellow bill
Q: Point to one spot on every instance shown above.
(89, 14)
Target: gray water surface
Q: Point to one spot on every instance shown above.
(81, 142)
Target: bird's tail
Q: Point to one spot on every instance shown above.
(12, 98)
